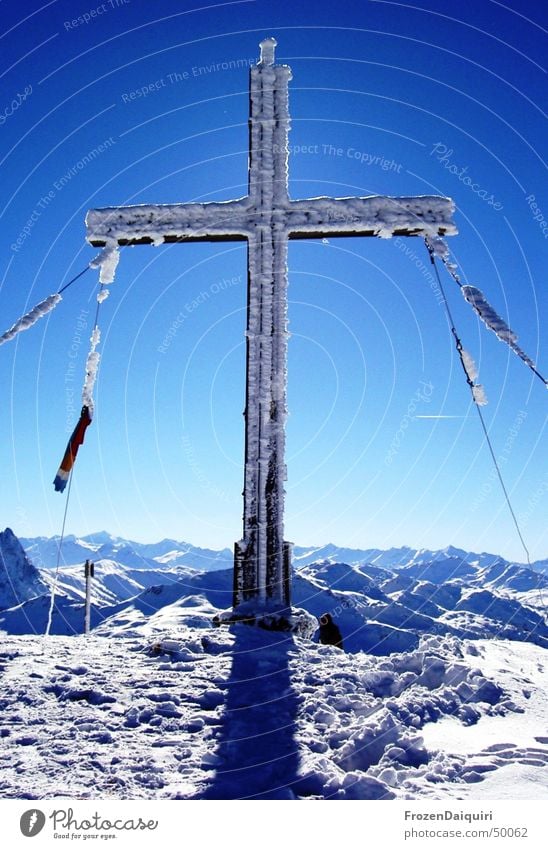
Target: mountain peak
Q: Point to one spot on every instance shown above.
(99, 538)
(19, 578)
(7, 535)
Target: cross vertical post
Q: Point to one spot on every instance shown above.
(267, 219)
(259, 556)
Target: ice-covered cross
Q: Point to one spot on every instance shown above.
(267, 218)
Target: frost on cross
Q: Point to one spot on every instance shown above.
(267, 218)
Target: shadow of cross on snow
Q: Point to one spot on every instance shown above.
(257, 753)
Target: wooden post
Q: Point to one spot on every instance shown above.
(89, 571)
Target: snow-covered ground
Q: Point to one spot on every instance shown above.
(441, 693)
(213, 713)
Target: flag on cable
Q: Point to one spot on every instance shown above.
(77, 438)
(74, 443)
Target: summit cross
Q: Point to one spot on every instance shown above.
(267, 218)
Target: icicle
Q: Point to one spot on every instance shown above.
(478, 393)
(92, 364)
(30, 318)
(488, 315)
(107, 260)
(494, 322)
(471, 370)
(470, 367)
(438, 247)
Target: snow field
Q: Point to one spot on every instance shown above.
(213, 713)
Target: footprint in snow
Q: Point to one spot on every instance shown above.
(499, 755)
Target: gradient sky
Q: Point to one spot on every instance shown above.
(384, 445)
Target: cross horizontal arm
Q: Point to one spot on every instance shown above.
(178, 222)
(371, 216)
(300, 219)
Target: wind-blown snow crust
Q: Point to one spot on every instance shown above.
(107, 262)
(494, 322)
(30, 318)
(92, 366)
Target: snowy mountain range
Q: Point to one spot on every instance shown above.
(169, 553)
(383, 601)
(181, 710)
(135, 555)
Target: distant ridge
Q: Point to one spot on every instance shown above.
(43, 553)
(383, 601)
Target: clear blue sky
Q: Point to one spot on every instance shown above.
(385, 96)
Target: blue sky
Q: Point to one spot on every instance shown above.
(133, 102)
